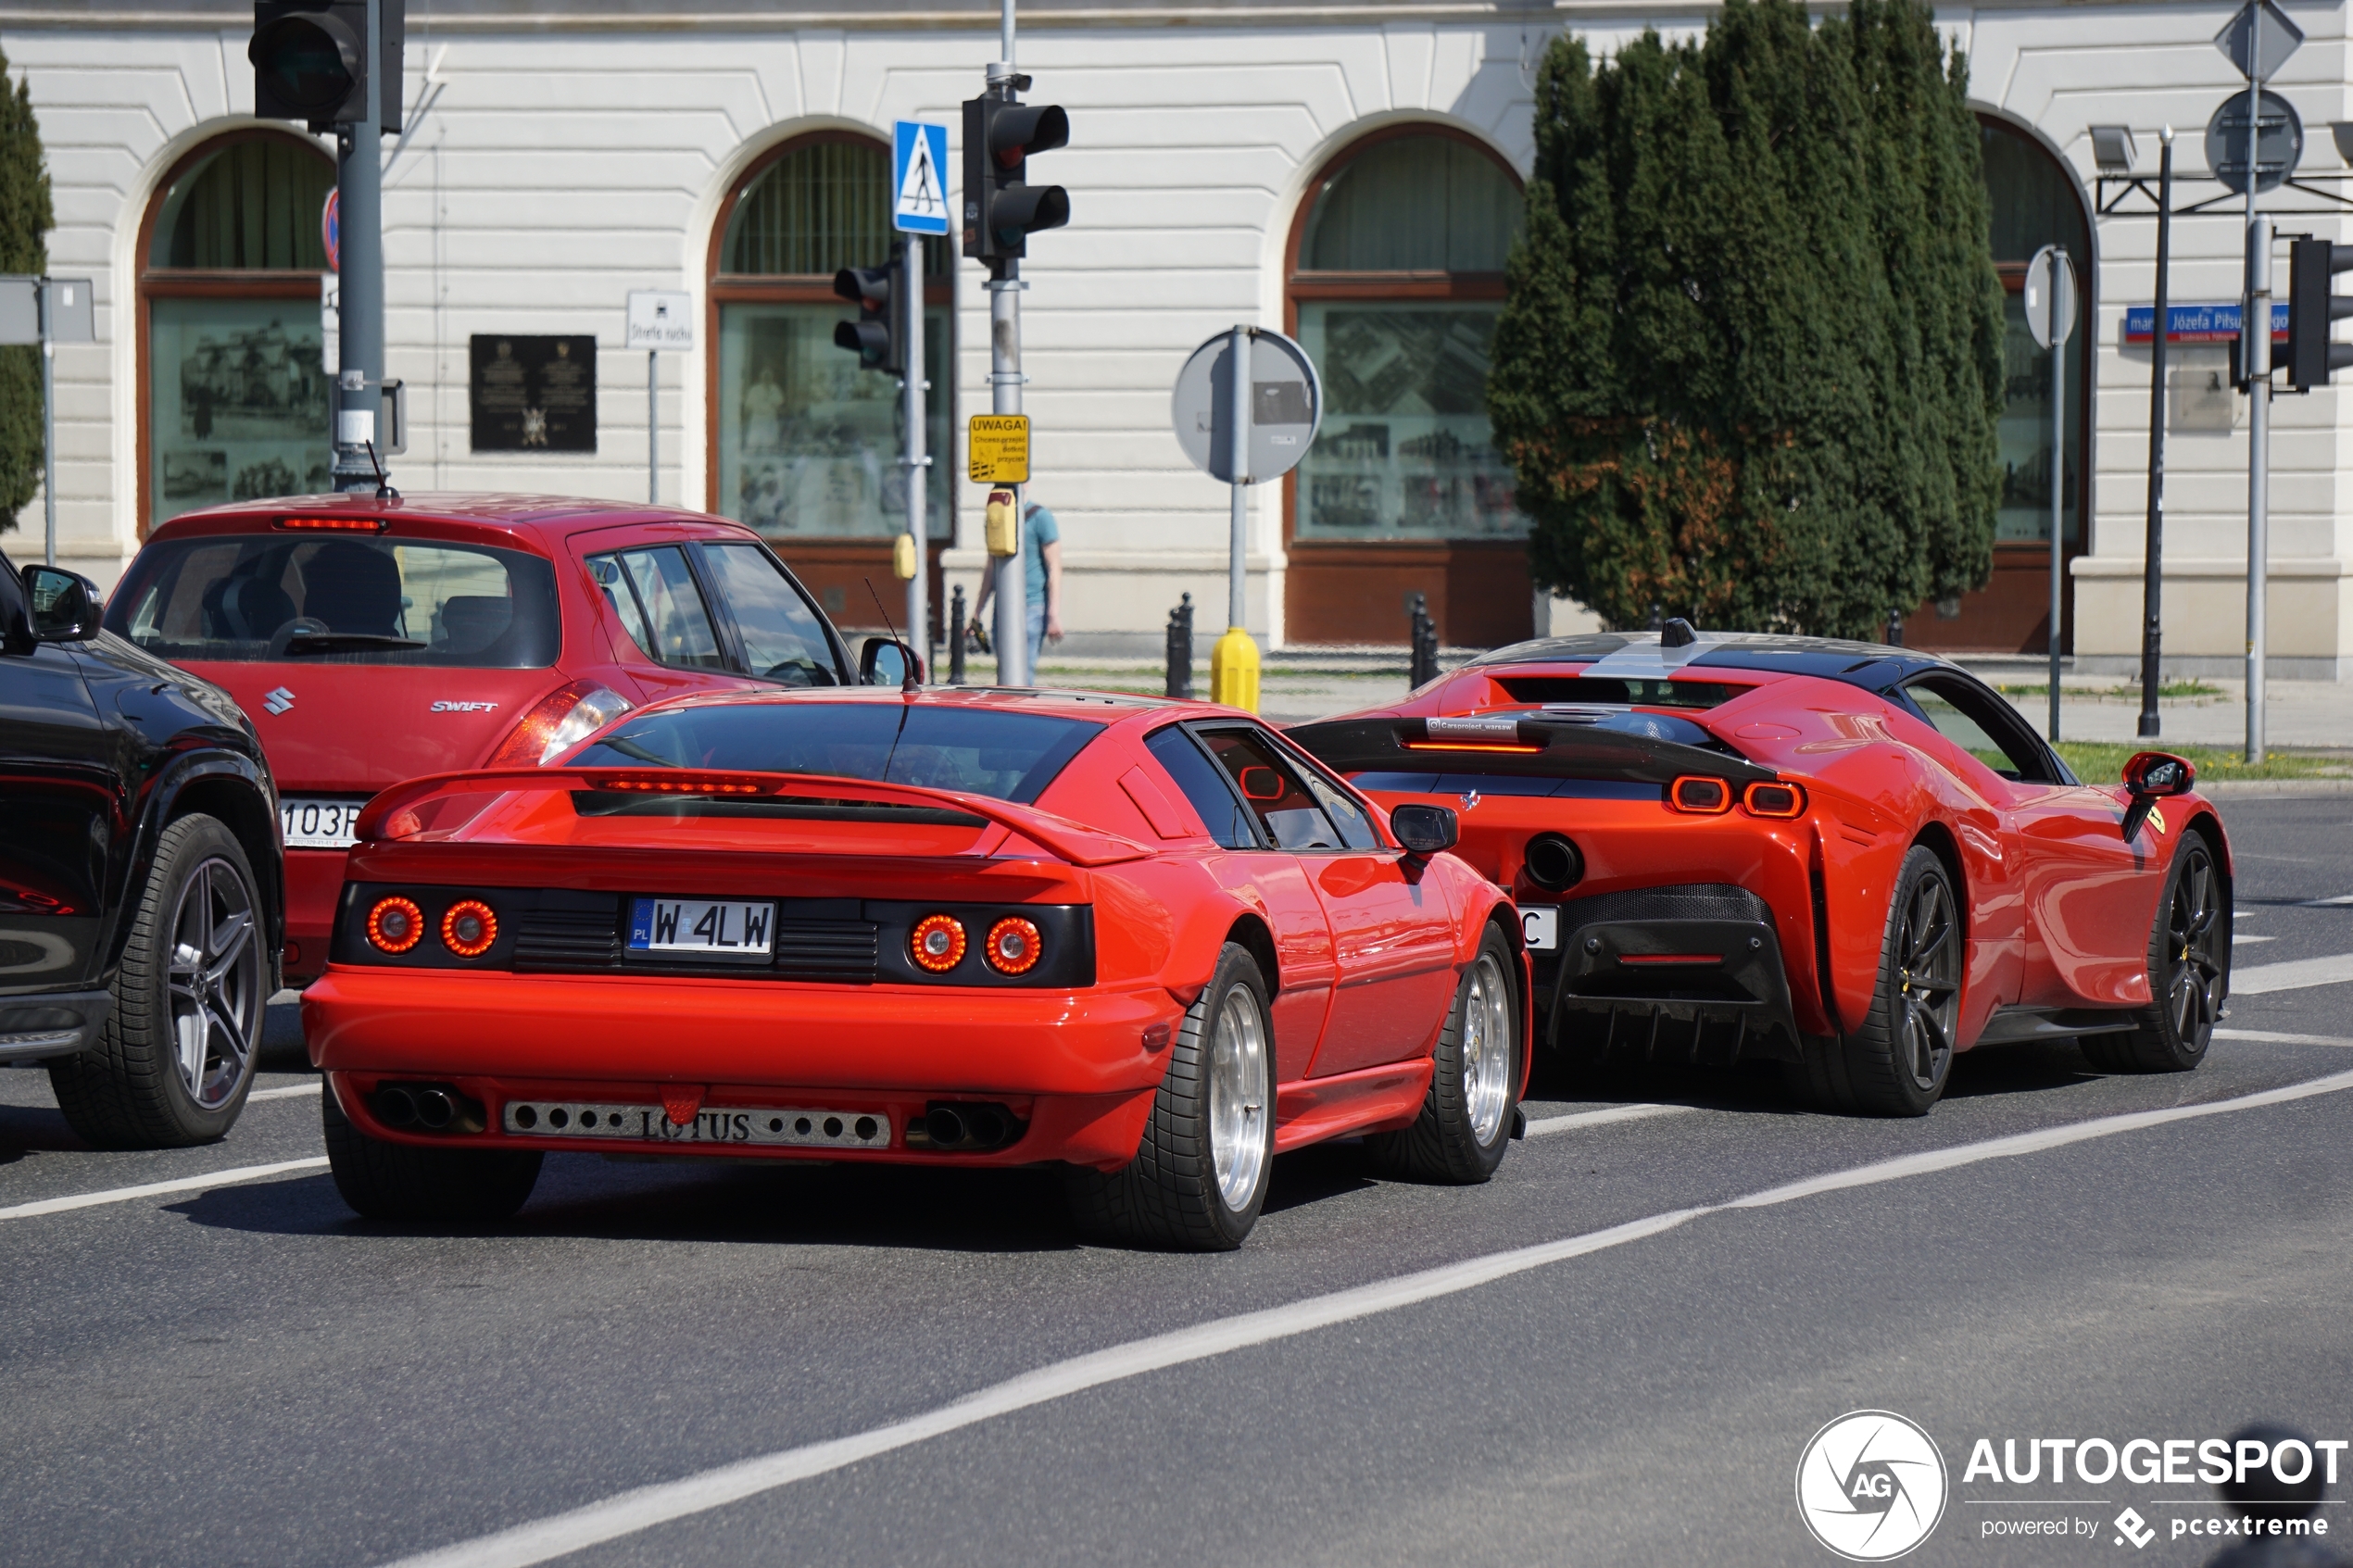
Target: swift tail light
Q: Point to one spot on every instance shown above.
(395, 924)
(334, 524)
(557, 722)
(1700, 795)
(936, 944)
(1775, 799)
(655, 783)
(1014, 946)
(469, 928)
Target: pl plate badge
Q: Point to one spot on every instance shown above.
(1871, 1485)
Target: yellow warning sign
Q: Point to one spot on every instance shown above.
(998, 449)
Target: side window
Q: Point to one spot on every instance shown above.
(1355, 828)
(782, 638)
(669, 622)
(1281, 803)
(1194, 774)
(1983, 725)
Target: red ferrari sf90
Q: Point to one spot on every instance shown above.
(1150, 941)
(1851, 859)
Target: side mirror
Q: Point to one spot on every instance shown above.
(62, 606)
(1424, 830)
(881, 662)
(2152, 776)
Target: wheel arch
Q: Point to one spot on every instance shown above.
(1937, 838)
(1251, 932)
(230, 789)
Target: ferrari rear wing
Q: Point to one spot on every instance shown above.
(1522, 745)
(406, 810)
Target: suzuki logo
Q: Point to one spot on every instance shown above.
(278, 701)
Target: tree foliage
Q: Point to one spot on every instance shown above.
(25, 222)
(1751, 358)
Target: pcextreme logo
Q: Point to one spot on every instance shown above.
(1871, 1485)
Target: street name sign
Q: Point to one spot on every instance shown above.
(1286, 407)
(997, 448)
(918, 153)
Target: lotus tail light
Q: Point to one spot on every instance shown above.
(937, 943)
(1775, 799)
(395, 924)
(1700, 795)
(557, 722)
(1014, 946)
(469, 928)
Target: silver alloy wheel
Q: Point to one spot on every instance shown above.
(1487, 1047)
(215, 983)
(1238, 1097)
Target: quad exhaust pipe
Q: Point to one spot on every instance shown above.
(966, 1127)
(427, 1108)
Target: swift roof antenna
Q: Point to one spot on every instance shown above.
(912, 677)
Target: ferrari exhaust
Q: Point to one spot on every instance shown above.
(1552, 861)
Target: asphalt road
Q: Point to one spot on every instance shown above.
(239, 1371)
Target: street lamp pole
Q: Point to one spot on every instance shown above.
(2255, 338)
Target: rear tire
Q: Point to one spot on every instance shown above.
(2189, 971)
(174, 1062)
(390, 1180)
(1899, 1061)
(1465, 1123)
(1202, 1171)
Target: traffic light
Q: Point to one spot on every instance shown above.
(2312, 307)
(1001, 211)
(874, 337)
(312, 58)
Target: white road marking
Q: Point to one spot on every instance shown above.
(1599, 1118)
(149, 1189)
(291, 1092)
(2337, 903)
(2293, 975)
(2239, 939)
(625, 1514)
(2279, 1038)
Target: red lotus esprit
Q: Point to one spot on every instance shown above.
(1150, 941)
(1853, 858)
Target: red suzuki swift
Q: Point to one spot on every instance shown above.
(372, 641)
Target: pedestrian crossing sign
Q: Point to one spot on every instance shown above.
(920, 153)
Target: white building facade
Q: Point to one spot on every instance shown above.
(1348, 173)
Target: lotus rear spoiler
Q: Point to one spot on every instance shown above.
(1073, 842)
(1531, 747)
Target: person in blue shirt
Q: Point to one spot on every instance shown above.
(1042, 567)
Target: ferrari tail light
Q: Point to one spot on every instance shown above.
(1700, 795)
(557, 722)
(937, 943)
(1776, 799)
(469, 928)
(395, 924)
(1014, 946)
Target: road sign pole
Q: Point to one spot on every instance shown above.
(2061, 298)
(359, 222)
(2255, 338)
(1004, 386)
(653, 427)
(2153, 550)
(918, 610)
(1233, 663)
(48, 419)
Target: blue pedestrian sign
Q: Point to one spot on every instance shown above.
(920, 152)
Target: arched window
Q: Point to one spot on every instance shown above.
(1395, 284)
(805, 443)
(231, 352)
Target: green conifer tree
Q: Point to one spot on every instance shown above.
(25, 222)
(1746, 372)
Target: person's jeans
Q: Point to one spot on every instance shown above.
(1036, 635)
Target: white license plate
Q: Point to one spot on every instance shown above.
(797, 1126)
(1540, 927)
(320, 825)
(725, 928)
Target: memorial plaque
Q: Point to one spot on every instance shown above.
(533, 394)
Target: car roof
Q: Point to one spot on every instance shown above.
(540, 519)
(1102, 707)
(1637, 655)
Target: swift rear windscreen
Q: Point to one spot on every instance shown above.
(978, 752)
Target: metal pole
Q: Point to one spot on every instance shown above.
(2153, 551)
(359, 208)
(1237, 464)
(2062, 302)
(48, 419)
(918, 610)
(1004, 386)
(2255, 339)
(653, 428)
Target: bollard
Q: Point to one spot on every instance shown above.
(956, 638)
(1180, 650)
(1895, 629)
(1424, 633)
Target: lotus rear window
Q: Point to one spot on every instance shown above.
(976, 750)
(247, 598)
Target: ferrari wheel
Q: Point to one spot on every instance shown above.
(1896, 1063)
(1201, 1173)
(1465, 1124)
(390, 1180)
(2189, 971)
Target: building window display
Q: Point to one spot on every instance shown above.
(233, 351)
(2033, 205)
(1397, 286)
(806, 442)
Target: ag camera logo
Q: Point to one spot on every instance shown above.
(1871, 1485)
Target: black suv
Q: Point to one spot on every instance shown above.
(141, 886)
